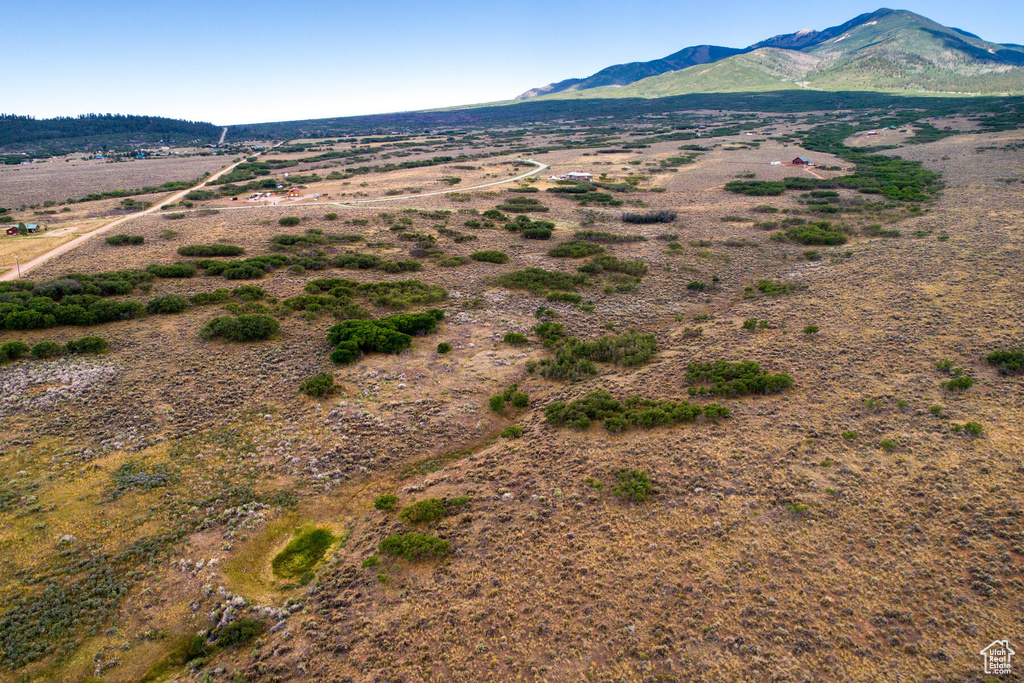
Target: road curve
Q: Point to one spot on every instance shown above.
(12, 274)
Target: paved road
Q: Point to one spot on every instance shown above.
(12, 274)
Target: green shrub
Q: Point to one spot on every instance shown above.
(652, 217)
(772, 288)
(289, 221)
(118, 240)
(371, 561)
(86, 345)
(575, 249)
(811, 329)
(331, 216)
(633, 485)
(217, 296)
(887, 444)
(944, 365)
(962, 383)
(248, 292)
(208, 250)
(538, 280)
(243, 328)
(935, 410)
(167, 303)
(635, 268)
(974, 428)
(318, 385)
(515, 338)
(512, 432)
(47, 349)
(520, 400)
(414, 546)
(13, 350)
(491, 256)
(816, 233)
(497, 403)
(302, 553)
(621, 415)
(735, 379)
(241, 631)
(444, 347)
(1008, 361)
(383, 335)
(174, 270)
(424, 511)
(607, 237)
(385, 502)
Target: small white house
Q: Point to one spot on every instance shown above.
(576, 175)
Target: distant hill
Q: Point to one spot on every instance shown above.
(887, 51)
(93, 131)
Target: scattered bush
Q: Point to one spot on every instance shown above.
(318, 385)
(243, 328)
(512, 432)
(633, 485)
(424, 511)
(175, 270)
(961, 383)
(772, 288)
(167, 303)
(735, 379)
(13, 350)
(241, 631)
(385, 502)
(575, 249)
(515, 338)
(208, 250)
(1008, 361)
(652, 217)
(849, 435)
(811, 329)
(383, 335)
(491, 256)
(887, 444)
(607, 237)
(288, 221)
(47, 349)
(538, 280)
(118, 240)
(217, 296)
(414, 546)
(444, 347)
(974, 428)
(621, 415)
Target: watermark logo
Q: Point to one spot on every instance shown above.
(997, 657)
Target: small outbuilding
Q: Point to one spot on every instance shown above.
(802, 161)
(577, 175)
(13, 230)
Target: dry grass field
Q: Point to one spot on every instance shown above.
(844, 529)
(72, 177)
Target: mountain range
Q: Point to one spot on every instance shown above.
(886, 50)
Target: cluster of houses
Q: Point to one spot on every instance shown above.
(30, 228)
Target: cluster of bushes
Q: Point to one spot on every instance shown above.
(511, 396)
(635, 268)
(120, 240)
(414, 546)
(317, 386)
(772, 288)
(522, 205)
(531, 229)
(538, 281)
(586, 193)
(181, 269)
(618, 416)
(607, 237)
(575, 249)
(14, 350)
(397, 295)
(383, 335)
(75, 299)
(490, 256)
(816, 233)
(734, 379)
(1008, 361)
(242, 328)
(575, 359)
(208, 250)
(649, 217)
(431, 509)
(633, 485)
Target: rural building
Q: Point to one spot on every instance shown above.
(13, 230)
(575, 175)
(802, 161)
(294, 192)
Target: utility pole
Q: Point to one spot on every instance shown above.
(18, 263)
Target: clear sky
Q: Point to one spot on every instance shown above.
(230, 62)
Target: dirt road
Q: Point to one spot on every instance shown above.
(12, 274)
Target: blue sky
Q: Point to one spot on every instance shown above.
(230, 62)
